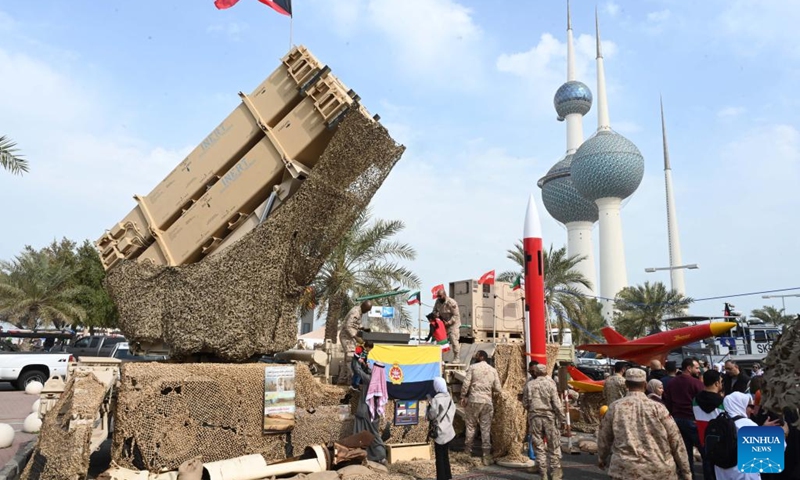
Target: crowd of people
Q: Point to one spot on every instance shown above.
(656, 420)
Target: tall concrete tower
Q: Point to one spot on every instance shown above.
(606, 169)
(675, 274)
(572, 101)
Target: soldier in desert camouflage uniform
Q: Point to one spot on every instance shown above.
(540, 399)
(614, 386)
(347, 338)
(639, 439)
(476, 398)
(447, 309)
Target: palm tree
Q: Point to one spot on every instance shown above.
(562, 287)
(641, 308)
(770, 314)
(9, 158)
(34, 290)
(364, 262)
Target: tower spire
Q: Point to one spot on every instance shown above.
(570, 48)
(603, 121)
(664, 135)
(677, 281)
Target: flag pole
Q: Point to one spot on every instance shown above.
(291, 30)
(419, 321)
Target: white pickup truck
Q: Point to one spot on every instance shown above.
(22, 368)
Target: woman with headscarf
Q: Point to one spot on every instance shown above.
(737, 404)
(654, 390)
(442, 410)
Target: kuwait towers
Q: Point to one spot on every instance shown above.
(573, 100)
(676, 274)
(605, 170)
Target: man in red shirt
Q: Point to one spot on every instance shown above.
(678, 396)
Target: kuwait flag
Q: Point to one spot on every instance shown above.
(414, 298)
(436, 289)
(284, 7)
(517, 283)
(487, 278)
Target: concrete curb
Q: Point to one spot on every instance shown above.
(13, 469)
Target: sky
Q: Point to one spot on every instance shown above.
(105, 98)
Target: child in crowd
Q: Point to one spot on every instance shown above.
(360, 356)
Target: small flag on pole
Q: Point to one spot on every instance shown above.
(284, 7)
(414, 298)
(487, 278)
(436, 289)
(517, 283)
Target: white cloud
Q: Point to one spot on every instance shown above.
(233, 30)
(83, 170)
(611, 8)
(754, 25)
(435, 41)
(659, 16)
(730, 112)
(544, 66)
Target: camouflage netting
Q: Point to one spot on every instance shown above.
(169, 413)
(782, 373)
(589, 404)
(509, 424)
(243, 301)
(63, 450)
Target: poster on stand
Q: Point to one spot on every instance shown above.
(406, 412)
(279, 407)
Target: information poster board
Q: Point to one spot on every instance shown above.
(279, 407)
(406, 412)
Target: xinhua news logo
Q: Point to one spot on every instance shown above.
(761, 450)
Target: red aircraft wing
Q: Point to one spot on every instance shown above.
(620, 350)
(580, 376)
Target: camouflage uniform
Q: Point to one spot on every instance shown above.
(447, 310)
(540, 399)
(614, 388)
(481, 380)
(639, 439)
(347, 340)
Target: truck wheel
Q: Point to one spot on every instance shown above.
(30, 376)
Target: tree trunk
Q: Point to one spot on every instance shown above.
(332, 321)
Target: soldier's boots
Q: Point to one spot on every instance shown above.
(558, 474)
(545, 476)
(487, 460)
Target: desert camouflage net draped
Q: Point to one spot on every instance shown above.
(243, 302)
(782, 373)
(509, 421)
(63, 450)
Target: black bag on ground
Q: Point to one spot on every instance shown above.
(721, 438)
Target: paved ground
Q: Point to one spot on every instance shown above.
(14, 407)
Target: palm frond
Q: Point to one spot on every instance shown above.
(10, 159)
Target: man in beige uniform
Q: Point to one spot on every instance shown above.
(476, 398)
(540, 399)
(447, 309)
(347, 338)
(639, 439)
(614, 386)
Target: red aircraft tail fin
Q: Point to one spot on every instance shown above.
(612, 336)
(577, 374)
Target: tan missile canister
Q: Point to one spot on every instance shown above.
(278, 95)
(302, 134)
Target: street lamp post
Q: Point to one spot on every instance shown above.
(783, 299)
(691, 266)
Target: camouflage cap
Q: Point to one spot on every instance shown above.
(635, 375)
(540, 369)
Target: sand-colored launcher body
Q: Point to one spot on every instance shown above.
(245, 168)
